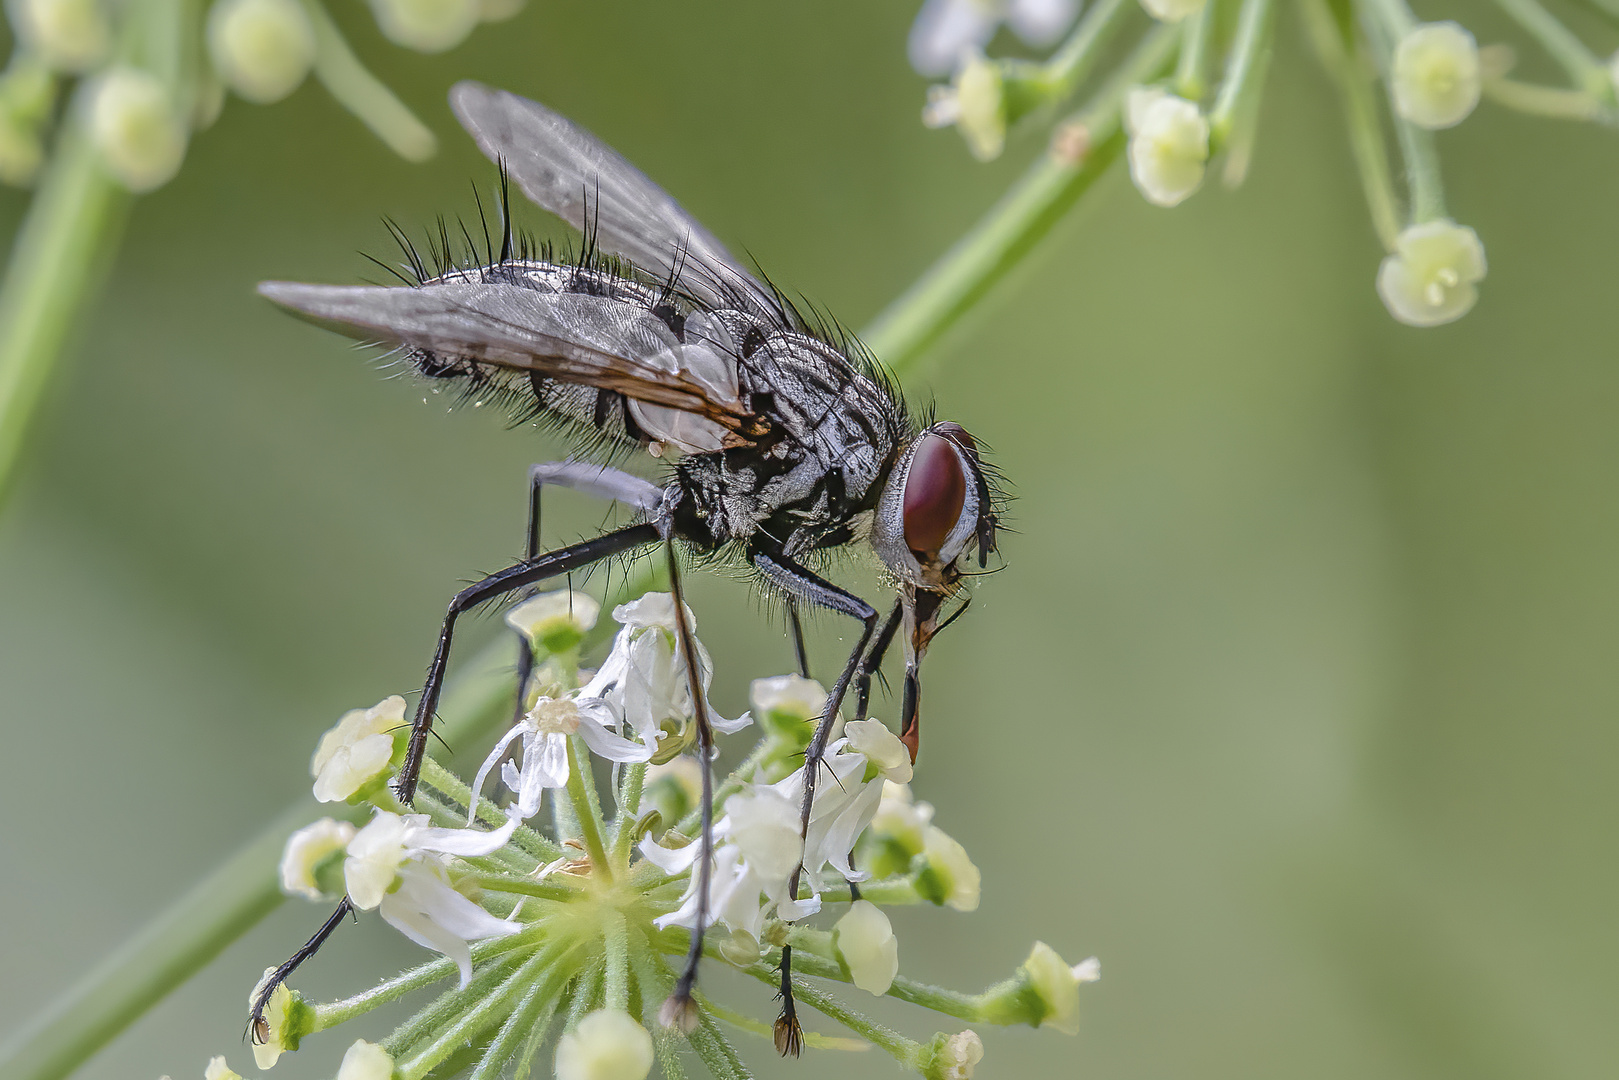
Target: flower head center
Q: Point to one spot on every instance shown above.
(554, 716)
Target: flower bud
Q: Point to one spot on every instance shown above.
(366, 1061)
(286, 1021)
(1431, 277)
(1172, 11)
(788, 705)
(1056, 986)
(953, 1057)
(1169, 145)
(373, 860)
(949, 876)
(881, 748)
(894, 837)
(70, 35)
(134, 125)
(357, 750)
(312, 863)
(555, 621)
(218, 1070)
(608, 1044)
(263, 49)
(975, 103)
(864, 939)
(428, 26)
(1436, 79)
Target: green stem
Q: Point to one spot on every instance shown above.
(541, 1000)
(717, 1052)
(741, 775)
(342, 1011)
(497, 882)
(1552, 102)
(582, 793)
(1192, 69)
(616, 963)
(907, 1052)
(363, 94)
(1072, 63)
(439, 778)
(741, 1022)
(1416, 144)
(967, 1007)
(1014, 226)
(1584, 69)
(628, 809)
(468, 1025)
(57, 262)
(218, 910)
(1343, 60)
(1245, 72)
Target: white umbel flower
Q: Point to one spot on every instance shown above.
(357, 749)
(1436, 80)
(959, 1056)
(395, 864)
(71, 36)
(428, 26)
(951, 878)
(306, 849)
(608, 1044)
(1056, 984)
(881, 747)
(263, 49)
(974, 103)
(544, 730)
(1169, 145)
(218, 1070)
(136, 128)
(366, 1061)
(1172, 11)
(1432, 276)
(865, 939)
(946, 29)
(791, 698)
(555, 621)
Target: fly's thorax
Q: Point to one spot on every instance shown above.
(933, 508)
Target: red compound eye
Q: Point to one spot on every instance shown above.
(935, 491)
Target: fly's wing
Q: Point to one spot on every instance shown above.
(581, 180)
(570, 337)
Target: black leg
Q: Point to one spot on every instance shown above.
(531, 549)
(680, 1010)
(281, 974)
(528, 572)
(798, 638)
(803, 585)
(789, 1036)
(874, 659)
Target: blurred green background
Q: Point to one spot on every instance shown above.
(1295, 703)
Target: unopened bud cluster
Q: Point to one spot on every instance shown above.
(1187, 96)
(563, 940)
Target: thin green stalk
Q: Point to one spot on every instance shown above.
(60, 255)
(628, 809)
(1245, 71)
(1072, 63)
(556, 981)
(470, 1024)
(343, 1010)
(812, 1039)
(616, 963)
(494, 882)
(540, 999)
(1584, 69)
(1343, 61)
(1552, 102)
(422, 1027)
(717, 1052)
(1014, 226)
(363, 94)
(741, 775)
(1394, 16)
(218, 910)
(1417, 147)
(1192, 69)
(967, 1007)
(906, 1051)
(436, 776)
(585, 992)
(582, 793)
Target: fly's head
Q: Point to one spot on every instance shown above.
(936, 512)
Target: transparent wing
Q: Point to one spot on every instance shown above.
(571, 337)
(577, 177)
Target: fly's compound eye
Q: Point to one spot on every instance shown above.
(935, 492)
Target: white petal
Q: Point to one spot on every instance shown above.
(546, 758)
(416, 926)
(605, 744)
(1041, 22)
(943, 30)
(489, 763)
(670, 860)
(464, 842)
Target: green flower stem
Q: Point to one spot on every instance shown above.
(888, 892)
(439, 778)
(537, 1025)
(1074, 61)
(1416, 144)
(742, 1022)
(363, 94)
(524, 1019)
(906, 1051)
(582, 793)
(219, 909)
(1394, 16)
(1342, 59)
(585, 994)
(967, 1007)
(543, 890)
(61, 252)
(717, 1052)
(616, 963)
(1192, 69)
(470, 1024)
(343, 1010)
(1552, 102)
(1584, 69)
(1014, 226)
(1238, 99)
(423, 1026)
(628, 811)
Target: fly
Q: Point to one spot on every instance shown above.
(781, 441)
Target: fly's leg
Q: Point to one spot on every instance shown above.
(528, 572)
(680, 1010)
(807, 587)
(874, 659)
(256, 1023)
(798, 638)
(599, 480)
